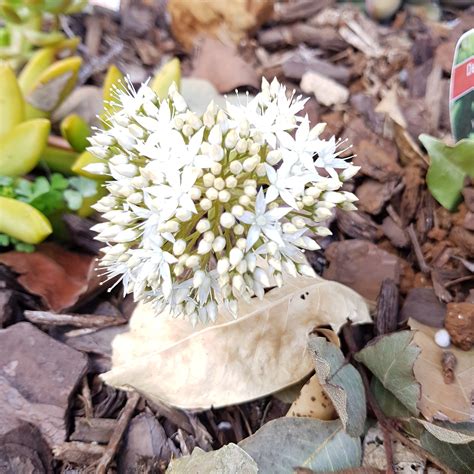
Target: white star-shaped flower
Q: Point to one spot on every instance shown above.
(263, 221)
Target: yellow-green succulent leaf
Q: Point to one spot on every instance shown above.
(82, 161)
(41, 38)
(33, 69)
(59, 160)
(21, 149)
(23, 222)
(169, 73)
(12, 105)
(52, 87)
(76, 131)
(10, 14)
(114, 78)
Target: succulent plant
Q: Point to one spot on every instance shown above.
(29, 24)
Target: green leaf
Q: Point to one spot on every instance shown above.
(283, 444)
(85, 186)
(227, 460)
(24, 188)
(457, 456)
(448, 169)
(59, 182)
(73, 199)
(453, 433)
(6, 180)
(341, 382)
(23, 247)
(390, 358)
(4, 240)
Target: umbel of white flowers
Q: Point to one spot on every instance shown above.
(206, 209)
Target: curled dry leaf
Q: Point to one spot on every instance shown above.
(313, 402)
(262, 351)
(440, 400)
(283, 444)
(341, 382)
(460, 433)
(58, 276)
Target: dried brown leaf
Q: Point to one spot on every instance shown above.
(58, 276)
(442, 401)
(223, 67)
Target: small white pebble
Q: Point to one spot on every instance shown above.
(442, 338)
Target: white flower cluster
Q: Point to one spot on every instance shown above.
(207, 209)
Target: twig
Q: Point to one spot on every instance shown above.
(76, 320)
(417, 249)
(386, 424)
(87, 399)
(119, 431)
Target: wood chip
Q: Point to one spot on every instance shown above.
(362, 266)
(422, 305)
(93, 430)
(38, 376)
(327, 91)
(460, 324)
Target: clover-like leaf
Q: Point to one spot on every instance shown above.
(341, 382)
(286, 443)
(391, 359)
(449, 167)
(226, 460)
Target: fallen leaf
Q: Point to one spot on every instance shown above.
(388, 403)
(229, 20)
(449, 166)
(312, 402)
(286, 443)
(457, 456)
(58, 276)
(227, 460)
(236, 360)
(341, 382)
(391, 358)
(222, 66)
(439, 400)
(461, 433)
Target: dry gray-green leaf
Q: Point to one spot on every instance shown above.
(341, 382)
(391, 358)
(285, 443)
(387, 402)
(227, 460)
(461, 433)
(47, 96)
(235, 360)
(457, 456)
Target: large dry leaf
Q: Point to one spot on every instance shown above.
(58, 276)
(440, 400)
(341, 382)
(262, 351)
(284, 444)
